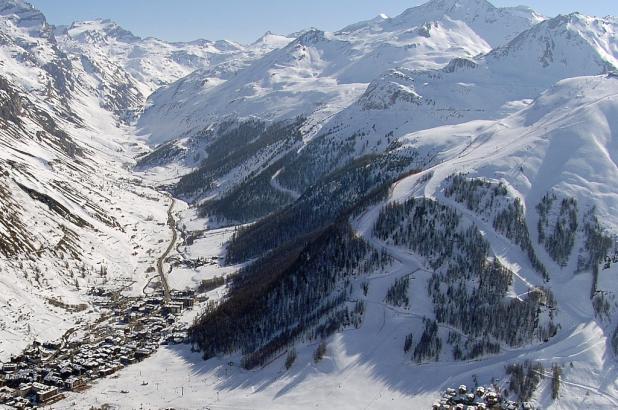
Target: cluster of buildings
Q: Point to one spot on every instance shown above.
(610, 260)
(480, 398)
(131, 330)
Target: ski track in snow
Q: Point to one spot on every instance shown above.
(274, 182)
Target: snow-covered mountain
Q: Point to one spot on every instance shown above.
(510, 149)
(129, 69)
(491, 85)
(320, 73)
(74, 216)
(26, 17)
(533, 192)
(487, 87)
(495, 25)
(69, 219)
(372, 215)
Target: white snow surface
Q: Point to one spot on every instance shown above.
(539, 113)
(114, 221)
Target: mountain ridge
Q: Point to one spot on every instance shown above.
(344, 61)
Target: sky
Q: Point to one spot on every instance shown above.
(246, 20)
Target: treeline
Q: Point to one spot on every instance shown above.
(397, 294)
(511, 222)
(235, 146)
(614, 341)
(597, 245)
(295, 292)
(472, 347)
(478, 195)
(429, 346)
(524, 379)
(468, 287)
(558, 236)
(480, 348)
(490, 198)
(322, 156)
(251, 200)
(163, 154)
(351, 188)
(556, 376)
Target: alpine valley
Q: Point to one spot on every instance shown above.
(412, 211)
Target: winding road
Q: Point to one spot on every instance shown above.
(171, 222)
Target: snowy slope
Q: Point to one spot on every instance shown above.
(495, 25)
(488, 87)
(129, 69)
(71, 209)
(401, 101)
(320, 73)
(565, 142)
(495, 123)
(29, 53)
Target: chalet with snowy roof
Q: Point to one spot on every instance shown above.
(48, 395)
(9, 367)
(6, 394)
(53, 379)
(174, 308)
(24, 389)
(75, 383)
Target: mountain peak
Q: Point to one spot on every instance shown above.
(270, 40)
(299, 33)
(376, 21)
(576, 23)
(497, 26)
(467, 5)
(24, 15)
(100, 28)
(264, 37)
(312, 36)
(572, 44)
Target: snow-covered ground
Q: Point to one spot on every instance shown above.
(84, 218)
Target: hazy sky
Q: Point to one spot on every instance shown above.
(246, 20)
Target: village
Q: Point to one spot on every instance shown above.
(479, 398)
(129, 330)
